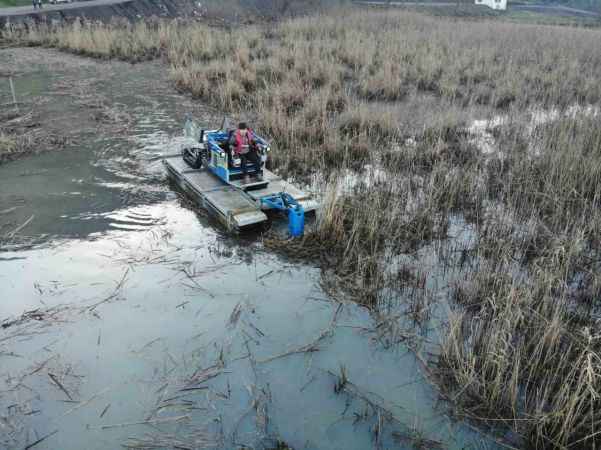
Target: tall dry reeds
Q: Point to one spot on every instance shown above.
(120, 40)
(321, 84)
(524, 360)
(393, 91)
(523, 348)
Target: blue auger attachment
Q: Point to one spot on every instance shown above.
(296, 221)
(296, 213)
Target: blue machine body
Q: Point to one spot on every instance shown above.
(219, 162)
(296, 213)
(225, 167)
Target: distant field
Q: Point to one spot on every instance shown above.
(467, 10)
(9, 3)
(549, 19)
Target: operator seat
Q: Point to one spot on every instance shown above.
(227, 148)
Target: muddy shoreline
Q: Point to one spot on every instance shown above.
(44, 118)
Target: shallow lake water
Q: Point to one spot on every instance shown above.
(157, 327)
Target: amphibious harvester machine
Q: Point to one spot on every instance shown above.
(210, 173)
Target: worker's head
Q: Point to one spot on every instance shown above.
(242, 126)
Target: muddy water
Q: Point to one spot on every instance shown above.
(158, 328)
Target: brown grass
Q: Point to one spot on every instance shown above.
(396, 91)
(318, 83)
(8, 144)
(524, 359)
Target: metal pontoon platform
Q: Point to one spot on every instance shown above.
(237, 205)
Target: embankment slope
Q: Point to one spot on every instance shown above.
(102, 10)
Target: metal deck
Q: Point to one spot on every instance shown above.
(250, 185)
(277, 185)
(231, 205)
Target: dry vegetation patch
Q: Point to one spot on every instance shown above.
(311, 82)
(522, 347)
(20, 135)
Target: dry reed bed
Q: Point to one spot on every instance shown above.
(20, 135)
(522, 349)
(312, 82)
(523, 346)
(8, 146)
(527, 355)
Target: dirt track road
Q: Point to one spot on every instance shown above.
(22, 10)
(557, 9)
(552, 9)
(548, 9)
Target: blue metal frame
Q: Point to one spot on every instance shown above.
(296, 213)
(218, 163)
(281, 201)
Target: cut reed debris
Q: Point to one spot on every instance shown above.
(395, 93)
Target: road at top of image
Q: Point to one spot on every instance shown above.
(22, 10)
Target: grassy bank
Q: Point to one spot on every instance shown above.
(245, 10)
(552, 19)
(10, 3)
(390, 98)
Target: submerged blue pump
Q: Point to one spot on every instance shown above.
(296, 213)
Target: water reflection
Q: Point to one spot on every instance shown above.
(74, 193)
(147, 324)
(173, 333)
